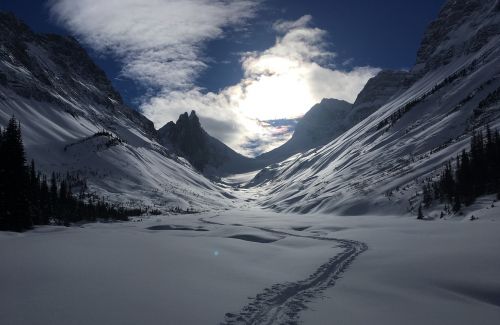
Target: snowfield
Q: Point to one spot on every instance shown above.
(251, 266)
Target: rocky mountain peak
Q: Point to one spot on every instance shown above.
(206, 153)
(187, 138)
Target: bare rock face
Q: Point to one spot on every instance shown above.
(377, 91)
(188, 138)
(206, 153)
(462, 27)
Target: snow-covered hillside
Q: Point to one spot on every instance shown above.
(74, 121)
(378, 165)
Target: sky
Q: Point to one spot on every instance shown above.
(249, 68)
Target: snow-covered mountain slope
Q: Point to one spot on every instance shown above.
(74, 121)
(377, 165)
(209, 155)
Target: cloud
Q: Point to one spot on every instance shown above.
(284, 26)
(161, 43)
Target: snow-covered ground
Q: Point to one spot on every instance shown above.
(205, 268)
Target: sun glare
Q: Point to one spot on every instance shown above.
(278, 93)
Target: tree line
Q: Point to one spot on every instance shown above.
(476, 173)
(28, 198)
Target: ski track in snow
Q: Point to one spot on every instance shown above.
(282, 303)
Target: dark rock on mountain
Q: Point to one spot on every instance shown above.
(378, 91)
(461, 28)
(204, 152)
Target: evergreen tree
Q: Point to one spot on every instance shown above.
(53, 195)
(45, 210)
(420, 215)
(14, 179)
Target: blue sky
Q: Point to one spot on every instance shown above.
(213, 56)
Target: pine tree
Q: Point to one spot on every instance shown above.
(34, 194)
(420, 215)
(457, 204)
(15, 179)
(45, 211)
(54, 209)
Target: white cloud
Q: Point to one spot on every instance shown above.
(160, 43)
(284, 26)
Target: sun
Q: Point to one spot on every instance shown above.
(279, 89)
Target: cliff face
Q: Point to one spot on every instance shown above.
(188, 138)
(461, 28)
(377, 91)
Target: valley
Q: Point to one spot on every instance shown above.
(380, 210)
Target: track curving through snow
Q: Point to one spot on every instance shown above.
(282, 303)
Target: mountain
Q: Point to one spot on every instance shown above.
(209, 155)
(74, 122)
(331, 117)
(319, 125)
(379, 165)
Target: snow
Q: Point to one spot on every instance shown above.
(422, 273)
(239, 179)
(126, 274)
(414, 272)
